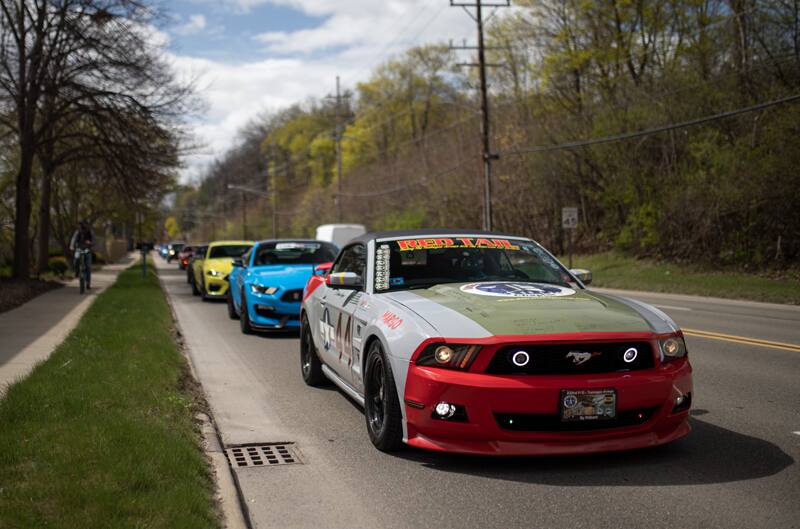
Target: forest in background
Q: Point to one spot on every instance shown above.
(723, 192)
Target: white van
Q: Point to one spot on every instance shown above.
(339, 234)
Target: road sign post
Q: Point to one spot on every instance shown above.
(569, 221)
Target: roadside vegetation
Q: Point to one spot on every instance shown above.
(102, 434)
(722, 192)
(614, 270)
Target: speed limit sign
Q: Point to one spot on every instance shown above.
(569, 218)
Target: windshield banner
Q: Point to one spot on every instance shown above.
(458, 242)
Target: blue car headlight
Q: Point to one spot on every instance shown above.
(261, 289)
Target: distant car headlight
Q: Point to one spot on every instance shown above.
(215, 273)
(449, 356)
(261, 289)
(672, 348)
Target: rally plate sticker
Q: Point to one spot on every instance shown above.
(588, 404)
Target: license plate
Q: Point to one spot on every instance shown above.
(588, 404)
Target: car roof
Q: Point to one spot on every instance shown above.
(267, 241)
(428, 232)
(231, 243)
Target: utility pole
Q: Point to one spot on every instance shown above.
(274, 203)
(486, 153)
(265, 194)
(244, 217)
(338, 138)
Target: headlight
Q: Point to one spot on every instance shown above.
(450, 356)
(672, 348)
(260, 289)
(215, 273)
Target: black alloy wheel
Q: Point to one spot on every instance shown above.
(231, 308)
(310, 364)
(244, 317)
(203, 291)
(381, 405)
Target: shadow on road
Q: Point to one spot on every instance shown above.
(709, 454)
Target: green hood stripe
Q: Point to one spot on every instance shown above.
(579, 312)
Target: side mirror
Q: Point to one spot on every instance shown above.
(584, 275)
(323, 269)
(237, 261)
(344, 280)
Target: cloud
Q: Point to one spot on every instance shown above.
(352, 37)
(236, 94)
(195, 24)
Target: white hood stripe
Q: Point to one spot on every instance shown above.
(446, 321)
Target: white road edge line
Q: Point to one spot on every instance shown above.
(670, 307)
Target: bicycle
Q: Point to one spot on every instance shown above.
(83, 270)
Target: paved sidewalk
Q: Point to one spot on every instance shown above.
(29, 333)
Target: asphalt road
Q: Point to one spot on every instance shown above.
(736, 469)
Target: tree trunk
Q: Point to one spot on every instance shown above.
(44, 221)
(22, 218)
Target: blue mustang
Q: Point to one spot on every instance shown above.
(266, 284)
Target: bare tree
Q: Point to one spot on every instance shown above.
(84, 81)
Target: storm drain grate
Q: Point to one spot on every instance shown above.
(262, 455)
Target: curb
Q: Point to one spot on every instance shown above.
(229, 492)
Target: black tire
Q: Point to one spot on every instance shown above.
(203, 294)
(195, 290)
(231, 309)
(381, 405)
(82, 281)
(310, 364)
(244, 317)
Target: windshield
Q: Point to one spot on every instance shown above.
(294, 253)
(234, 250)
(421, 263)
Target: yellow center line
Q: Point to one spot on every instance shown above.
(741, 339)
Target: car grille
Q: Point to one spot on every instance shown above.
(291, 296)
(571, 358)
(529, 422)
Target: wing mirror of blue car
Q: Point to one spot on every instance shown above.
(322, 269)
(344, 280)
(584, 275)
(237, 261)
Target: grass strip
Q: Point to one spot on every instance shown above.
(102, 434)
(611, 270)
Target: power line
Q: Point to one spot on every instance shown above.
(654, 130)
(388, 47)
(422, 181)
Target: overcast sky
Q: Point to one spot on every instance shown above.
(252, 56)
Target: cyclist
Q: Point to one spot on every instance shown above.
(82, 239)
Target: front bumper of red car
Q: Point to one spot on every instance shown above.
(519, 415)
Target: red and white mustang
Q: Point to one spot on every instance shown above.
(484, 343)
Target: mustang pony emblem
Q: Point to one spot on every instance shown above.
(580, 357)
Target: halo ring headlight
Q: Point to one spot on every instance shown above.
(520, 358)
(630, 355)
